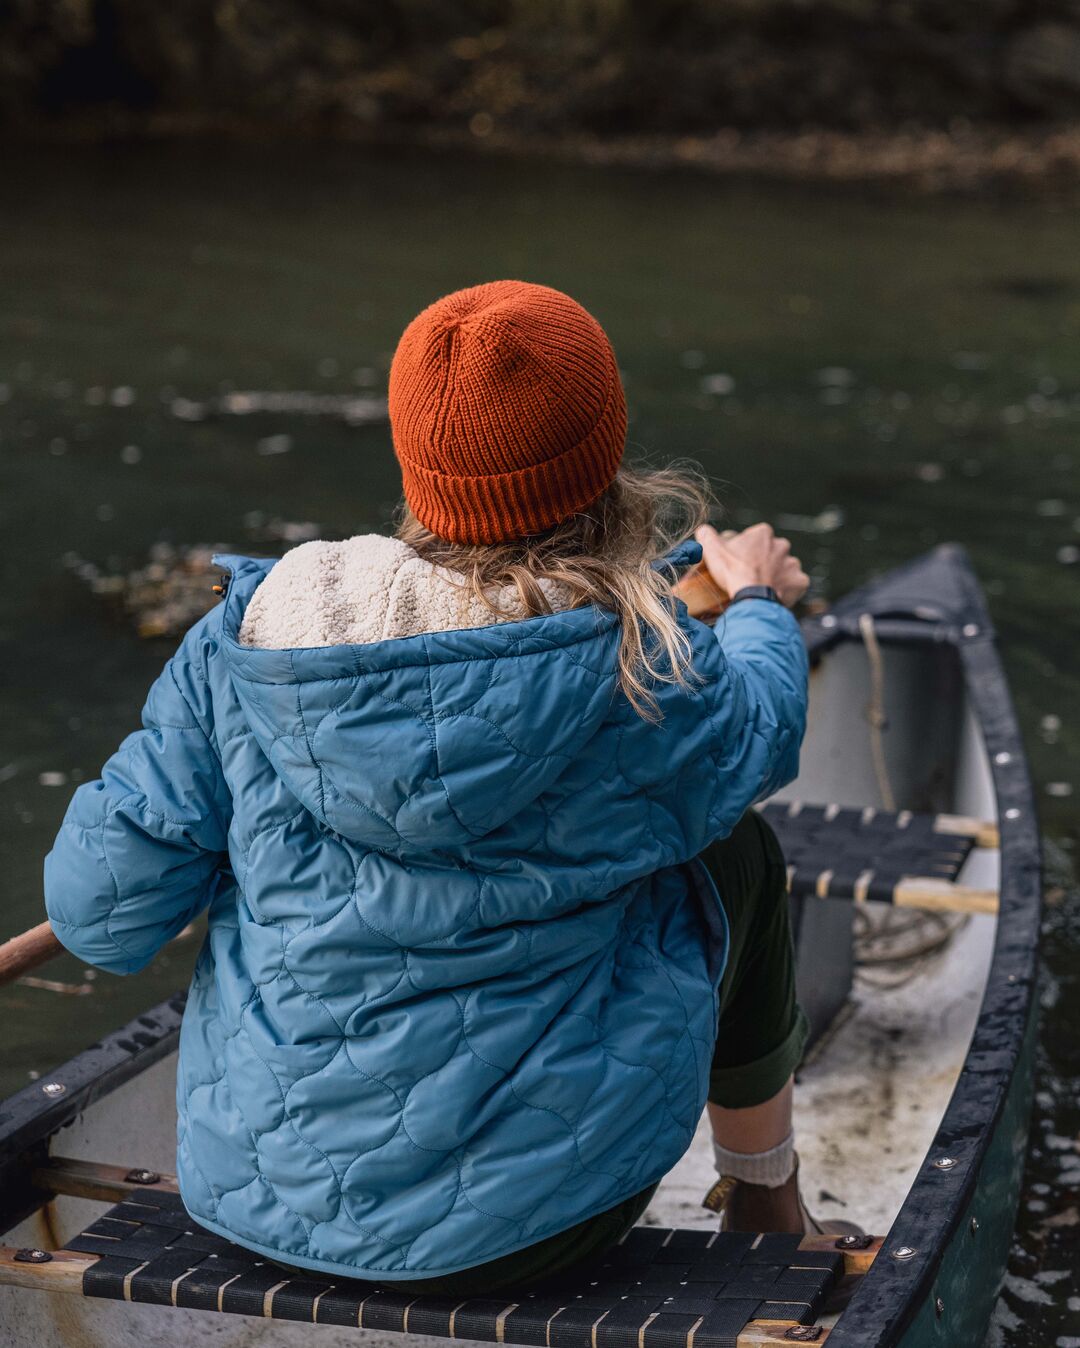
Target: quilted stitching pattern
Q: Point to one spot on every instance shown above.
(459, 988)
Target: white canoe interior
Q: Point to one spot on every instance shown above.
(869, 1098)
(871, 1095)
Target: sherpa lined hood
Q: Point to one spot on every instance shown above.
(437, 770)
(459, 985)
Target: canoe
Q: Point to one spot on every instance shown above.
(913, 806)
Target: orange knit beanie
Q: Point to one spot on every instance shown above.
(507, 412)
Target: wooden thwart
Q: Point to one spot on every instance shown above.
(943, 896)
(856, 1262)
(985, 832)
(89, 1179)
(63, 1273)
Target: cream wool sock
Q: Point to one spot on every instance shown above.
(769, 1168)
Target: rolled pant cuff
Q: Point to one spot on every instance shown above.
(755, 1082)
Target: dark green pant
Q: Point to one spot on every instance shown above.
(761, 1037)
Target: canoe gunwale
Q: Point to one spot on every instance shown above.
(29, 1118)
(894, 1292)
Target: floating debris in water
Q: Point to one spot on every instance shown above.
(901, 401)
(1059, 790)
(327, 368)
(1013, 415)
(836, 376)
(1024, 1289)
(185, 409)
(1050, 509)
(131, 454)
(54, 985)
(57, 445)
(355, 409)
(105, 512)
(95, 396)
(693, 360)
(834, 396)
(123, 396)
(277, 530)
(826, 521)
(52, 779)
(1069, 554)
(363, 376)
(720, 384)
(5, 392)
(1050, 728)
(274, 444)
(970, 360)
(174, 588)
(929, 472)
(167, 595)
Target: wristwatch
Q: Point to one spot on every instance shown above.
(755, 592)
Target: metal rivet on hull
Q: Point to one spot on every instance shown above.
(142, 1177)
(31, 1256)
(945, 1163)
(904, 1252)
(53, 1089)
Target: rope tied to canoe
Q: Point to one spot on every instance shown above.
(875, 710)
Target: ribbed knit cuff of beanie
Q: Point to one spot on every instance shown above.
(507, 412)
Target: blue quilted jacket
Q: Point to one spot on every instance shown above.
(459, 987)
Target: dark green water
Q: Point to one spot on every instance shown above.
(909, 365)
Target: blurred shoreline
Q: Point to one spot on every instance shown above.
(962, 159)
(963, 97)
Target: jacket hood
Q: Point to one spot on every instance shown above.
(384, 742)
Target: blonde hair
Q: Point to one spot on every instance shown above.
(606, 555)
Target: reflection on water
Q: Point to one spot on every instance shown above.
(193, 350)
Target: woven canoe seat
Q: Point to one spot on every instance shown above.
(840, 853)
(660, 1288)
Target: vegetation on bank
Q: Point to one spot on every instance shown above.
(936, 95)
(519, 67)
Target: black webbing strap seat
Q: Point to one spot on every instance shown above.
(893, 857)
(659, 1289)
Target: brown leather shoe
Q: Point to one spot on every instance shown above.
(755, 1207)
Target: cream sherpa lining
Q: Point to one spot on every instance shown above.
(366, 588)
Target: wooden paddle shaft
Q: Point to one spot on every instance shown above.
(701, 594)
(26, 951)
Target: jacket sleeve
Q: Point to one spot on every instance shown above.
(765, 691)
(139, 850)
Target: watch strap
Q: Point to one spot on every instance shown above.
(755, 592)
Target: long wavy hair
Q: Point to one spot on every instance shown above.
(606, 555)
